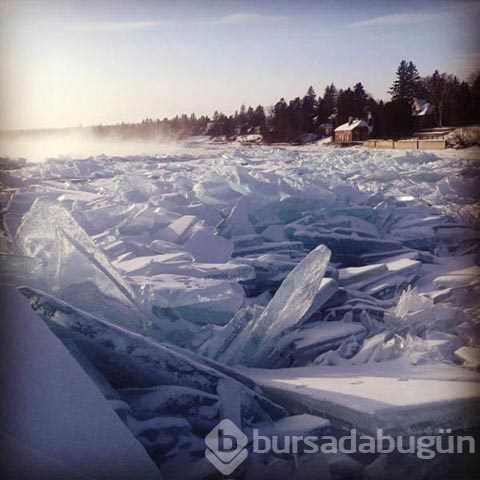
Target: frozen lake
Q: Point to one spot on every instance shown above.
(168, 266)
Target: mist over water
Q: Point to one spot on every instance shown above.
(37, 147)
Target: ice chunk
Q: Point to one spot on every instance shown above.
(134, 188)
(70, 258)
(399, 274)
(200, 300)
(144, 218)
(309, 342)
(179, 230)
(168, 400)
(223, 336)
(236, 272)
(269, 247)
(300, 425)
(410, 301)
(378, 349)
(350, 275)
(207, 247)
(19, 269)
(238, 222)
(153, 265)
(343, 246)
(420, 399)
(404, 266)
(420, 220)
(216, 190)
(437, 347)
(53, 408)
(467, 276)
(252, 240)
(470, 357)
(115, 248)
(291, 208)
(300, 295)
(274, 233)
(270, 270)
(100, 216)
(350, 224)
(229, 392)
(162, 246)
(174, 425)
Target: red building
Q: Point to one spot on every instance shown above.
(352, 131)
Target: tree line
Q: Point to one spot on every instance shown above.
(452, 103)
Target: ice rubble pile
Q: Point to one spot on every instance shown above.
(169, 398)
(190, 250)
(262, 257)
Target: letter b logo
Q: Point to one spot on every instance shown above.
(226, 444)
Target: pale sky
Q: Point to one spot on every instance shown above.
(66, 63)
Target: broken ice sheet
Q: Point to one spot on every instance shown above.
(207, 247)
(469, 357)
(69, 258)
(134, 188)
(132, 360)
(299, 296)
(216, 190)
(200, 300)
(309, 342)
(223, 336)
(179, 230)
(238, 221)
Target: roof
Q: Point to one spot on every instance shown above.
(351, 126)
(421, 107)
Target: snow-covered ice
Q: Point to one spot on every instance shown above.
(372, 397)
(54, 419)
(346, 272)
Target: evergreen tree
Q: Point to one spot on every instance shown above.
(259, 118)
(309, 108)
(360, 100)
(345, 105)
(407, 84)
(437, 91)
(242, 116)
(250, 117)
(296, 119)
(475, 105)
(377, 111)
(328, 103)
(280, 120)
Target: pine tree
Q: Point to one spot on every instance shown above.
(328, 103)
(345, 105)
(260, 118)
(309, 108)
(250, 117)
(437, 92)
(296, 120)
(475, 105)
(242, 116)
(280, 120)
(407, 83)
(360, 100)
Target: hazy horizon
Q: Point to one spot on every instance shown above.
(68, 64)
